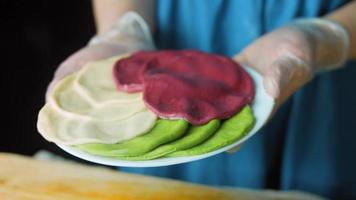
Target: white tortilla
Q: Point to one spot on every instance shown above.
(62, 129)
(85, 107)
(96, 83)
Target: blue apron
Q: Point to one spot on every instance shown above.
(311, 142)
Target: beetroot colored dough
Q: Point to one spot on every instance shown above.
(186, 84)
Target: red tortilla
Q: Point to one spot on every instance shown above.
(187, 84)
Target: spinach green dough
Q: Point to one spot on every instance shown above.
(231, 130)
(173, 138)
(163, 132)
(194, 136)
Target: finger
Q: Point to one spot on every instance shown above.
(286, 75)
(276, 81)
(271, 83)
(234, 149)
(241, 58)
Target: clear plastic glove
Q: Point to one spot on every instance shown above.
(129, 34)
(290, 56)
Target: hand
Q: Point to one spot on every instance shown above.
(289, 57)
(129, 34)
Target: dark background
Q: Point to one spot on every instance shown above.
(35, 36)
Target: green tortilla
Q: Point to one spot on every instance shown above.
(231, 130)
(166, 139)
(163, 132)
(194, 136)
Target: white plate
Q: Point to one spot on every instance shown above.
(262, 108)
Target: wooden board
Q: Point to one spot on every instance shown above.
(28, 179)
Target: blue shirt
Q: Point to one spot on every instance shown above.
(311, 142)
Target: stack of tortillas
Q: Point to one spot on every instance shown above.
(85, 107)
(180, 105)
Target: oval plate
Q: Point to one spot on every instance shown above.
(262, 107)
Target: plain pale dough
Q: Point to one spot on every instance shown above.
(85, 107)
(95, 81)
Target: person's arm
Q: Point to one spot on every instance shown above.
(107, 12)
(346, 16)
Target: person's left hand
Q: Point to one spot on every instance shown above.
(283, 58)
(289, 57)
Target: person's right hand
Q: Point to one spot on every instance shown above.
(130, 33)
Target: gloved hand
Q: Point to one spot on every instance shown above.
(129, 34)
(290, 56)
